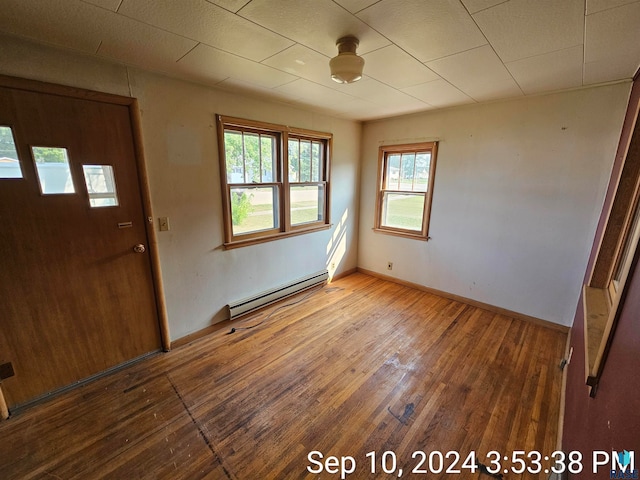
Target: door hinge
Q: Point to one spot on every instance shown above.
(6, 371)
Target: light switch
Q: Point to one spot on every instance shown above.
(164, 224)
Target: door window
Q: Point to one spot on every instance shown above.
(101, 185)
(9, 162)
(54, 173)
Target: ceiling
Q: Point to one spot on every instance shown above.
(419, 54)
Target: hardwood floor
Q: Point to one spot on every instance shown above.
(361, 365)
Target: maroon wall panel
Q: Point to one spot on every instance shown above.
(611, 420)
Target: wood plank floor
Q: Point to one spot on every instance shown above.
(361, 365)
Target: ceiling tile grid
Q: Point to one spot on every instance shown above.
(419, 54)
(521, 28)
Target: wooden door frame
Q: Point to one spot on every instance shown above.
(143, 184)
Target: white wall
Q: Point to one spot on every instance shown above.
(518, 190)
(181, 151)
(179, 135)
(519, 187)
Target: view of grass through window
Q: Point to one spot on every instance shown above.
(403, 211)
(250, 160)
(406, 181)
(275, 180)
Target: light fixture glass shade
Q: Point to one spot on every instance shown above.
(346, 67)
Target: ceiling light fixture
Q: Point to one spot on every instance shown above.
(346, 67)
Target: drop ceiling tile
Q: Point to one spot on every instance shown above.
(594, 6)
(612, 51)
(363, 110)
(136, 43)
(548, 72)
(379, 93)
(23, 58)
(613, 39)
(522, 28)
(245, 88)
(313, 94)
(211, 65)
(476, 5)
(426, 30)
(609, 70)
(438, 93)
(207, 23)
(317, 24)
(393, 111)
(356, 5)
(108, 4)
(358, 109)
(479, 73)
(395, 67)
(70, 24)
(231, 5)
(303, 62)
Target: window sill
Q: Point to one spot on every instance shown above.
(597, 322)
(402, 233)
(272, 237)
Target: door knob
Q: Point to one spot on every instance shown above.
(139, 248)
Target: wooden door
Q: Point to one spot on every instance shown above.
(76, 298)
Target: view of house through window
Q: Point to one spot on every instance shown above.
(261, 201)
(101, 185)
(9, 162)
(250, 160)
(54, 171)
(405, 188)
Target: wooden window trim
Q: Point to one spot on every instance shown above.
(282, 134)
(383, 151)
(602, 301)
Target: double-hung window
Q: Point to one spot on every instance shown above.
(275, 180)
(405, 189)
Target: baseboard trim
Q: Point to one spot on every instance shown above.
(192, 337)
(469, 301)
(197, 335)
(340, 275)
(228, 323)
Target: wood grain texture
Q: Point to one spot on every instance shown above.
(79, 301)
(360, 365)
(459, 298)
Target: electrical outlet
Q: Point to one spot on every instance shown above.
(333, 266)
(389, 265)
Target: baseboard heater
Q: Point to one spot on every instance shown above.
(250, 304)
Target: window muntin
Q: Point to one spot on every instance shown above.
(274, 180)
(250, 157)
(405, 189)
(9, 161)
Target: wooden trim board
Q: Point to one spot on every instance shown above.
(469, 301)
(226, 323)
(4, 410)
